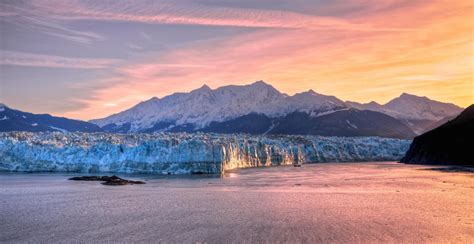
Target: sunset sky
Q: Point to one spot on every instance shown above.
(89, 59)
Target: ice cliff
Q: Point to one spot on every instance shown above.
(181, 153)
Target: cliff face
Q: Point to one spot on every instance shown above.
(451, 143)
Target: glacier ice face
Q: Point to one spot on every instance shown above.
(181, 153)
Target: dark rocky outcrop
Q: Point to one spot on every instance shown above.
(107, 180)
(451, 143)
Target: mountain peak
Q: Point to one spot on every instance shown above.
(261, 83)
(311, 91)
(373, 103)
(151, 100)
(264, 88)
(406, 98)
(410, 98)
(407, 95)
(408, 106)
(203, 88)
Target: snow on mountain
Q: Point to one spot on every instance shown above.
(202, 106)
(414, 107)
(418, 113)
(198, 109)
(181, 153)
(312, 103)
(411, 107)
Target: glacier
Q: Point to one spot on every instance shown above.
(182, 153)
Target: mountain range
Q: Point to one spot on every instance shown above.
(257, 108)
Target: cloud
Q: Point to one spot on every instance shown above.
(190, 13)
(27, 17)
(50, 61)
(366, 55)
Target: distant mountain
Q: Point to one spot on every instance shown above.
(451, 143)
(15, 120)
(418, 113)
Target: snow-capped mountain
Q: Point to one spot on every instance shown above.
(260, 108)
(15, 120)
(202, 106)
(419, 113)
(257, 108)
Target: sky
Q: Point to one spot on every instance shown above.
(89, 59)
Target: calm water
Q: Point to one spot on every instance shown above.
(357, 202)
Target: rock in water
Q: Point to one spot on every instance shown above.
(88, 178)
(451, 143)
(108, 180)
